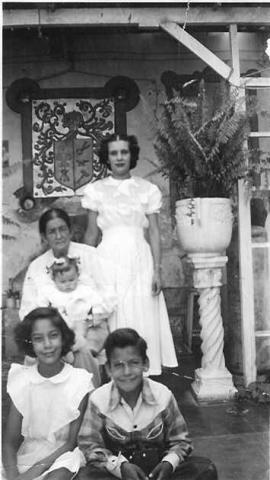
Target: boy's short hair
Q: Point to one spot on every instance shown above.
(23, 331)
(62, 265)
(125, 337)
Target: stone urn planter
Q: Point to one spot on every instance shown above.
(204, 228)
(204, 225)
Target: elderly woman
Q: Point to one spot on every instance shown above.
(55, 231)
(124, 207)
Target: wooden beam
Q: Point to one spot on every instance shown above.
(196, 47)
(255, 82)
(235, 57)
(246, 284)
(259, 134)
(143, 17)
(244, 242)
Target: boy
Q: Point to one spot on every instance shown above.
(133, 429)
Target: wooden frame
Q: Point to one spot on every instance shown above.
(138, 16)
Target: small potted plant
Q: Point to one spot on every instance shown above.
(201, 150)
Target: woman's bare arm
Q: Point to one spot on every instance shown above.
(92, 233)
(154, 239)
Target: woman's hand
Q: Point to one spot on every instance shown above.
(162, 471)
(129, 471)
(156, 283)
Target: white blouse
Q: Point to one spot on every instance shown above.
(122, 202)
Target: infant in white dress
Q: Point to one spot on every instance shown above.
(82, 307)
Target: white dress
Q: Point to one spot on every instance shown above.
(74, 306)
(123, 206)
(48, 406)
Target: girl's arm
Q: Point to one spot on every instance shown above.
(69, 445)
(11, 442)
(154, 239)
(92, 232)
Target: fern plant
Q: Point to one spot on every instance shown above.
(200, 150)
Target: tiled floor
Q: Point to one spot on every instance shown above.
(238, 443)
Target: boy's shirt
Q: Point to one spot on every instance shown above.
(155, 420)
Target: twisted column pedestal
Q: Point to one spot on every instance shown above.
(213, 381)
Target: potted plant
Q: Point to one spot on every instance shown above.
(201, 150)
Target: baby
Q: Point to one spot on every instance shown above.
(83, 308)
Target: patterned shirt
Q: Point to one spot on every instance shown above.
(154, 421)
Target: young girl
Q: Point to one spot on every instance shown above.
(48, 401)
(82, 307)
(124, 208)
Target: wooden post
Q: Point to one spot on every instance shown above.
(245, 250)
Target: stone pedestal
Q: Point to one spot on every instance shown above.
(213, 381)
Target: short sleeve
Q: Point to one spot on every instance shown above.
(17, 384)
(91, 198)
(81, 385)
(154, 200)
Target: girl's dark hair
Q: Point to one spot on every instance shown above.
(51, 214)
(133, 148)
(64, 264)
(125, 337)
(23, 331)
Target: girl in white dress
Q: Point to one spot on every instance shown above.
(123, 208)
(48, 401)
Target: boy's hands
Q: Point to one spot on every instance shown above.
(162, 471)
(129, 471)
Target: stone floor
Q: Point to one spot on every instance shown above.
(237, 441)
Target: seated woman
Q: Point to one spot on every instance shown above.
(48, 401)
(55, 231)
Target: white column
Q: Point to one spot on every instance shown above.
(213, 381)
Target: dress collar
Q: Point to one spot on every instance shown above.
(121, 186)
(147, 395)
(118, 181)
(59, 378)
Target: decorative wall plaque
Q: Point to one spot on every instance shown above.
(65, 137)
